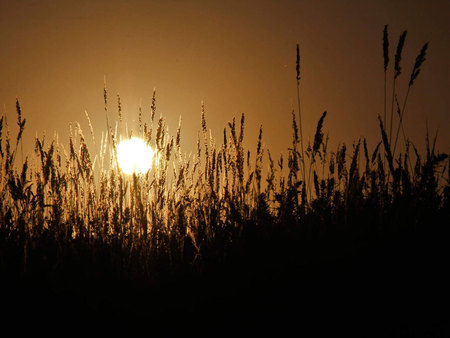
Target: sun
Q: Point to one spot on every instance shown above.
(134, 156)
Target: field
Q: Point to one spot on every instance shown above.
(226, 241)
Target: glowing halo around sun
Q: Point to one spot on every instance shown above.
(134, 156)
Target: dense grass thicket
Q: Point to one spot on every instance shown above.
(223, 221)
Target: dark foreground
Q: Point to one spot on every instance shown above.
(397, 286)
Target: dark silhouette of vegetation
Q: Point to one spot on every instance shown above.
(210, 243)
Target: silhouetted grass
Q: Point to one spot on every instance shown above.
(204, 243)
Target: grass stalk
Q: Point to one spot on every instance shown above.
(300, 119)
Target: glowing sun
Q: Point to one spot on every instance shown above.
(134, 156)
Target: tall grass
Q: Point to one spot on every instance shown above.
(192, 210)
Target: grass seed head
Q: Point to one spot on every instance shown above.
(420, 59)
(398, 54)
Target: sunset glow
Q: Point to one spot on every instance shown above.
(134, 156)
(206, 168)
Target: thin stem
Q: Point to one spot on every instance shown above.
(385, 99)
(384, 120)
(400, 124)
(392, 111)
(301, 134)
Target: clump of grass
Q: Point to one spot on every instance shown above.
(192, 211)
(414, 74)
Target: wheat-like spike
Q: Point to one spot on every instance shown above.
(318, 137)
(420, 59)
(105, 95)
(178, 137)
(119, 107)
(233, 132)
(19, 113)
(153, 106)
(241, 133)
(205, 135)
(398, 54)
(354, 164)
(375, 152)
(295, 139)
(366, 155)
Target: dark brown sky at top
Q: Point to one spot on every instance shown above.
(236, 56)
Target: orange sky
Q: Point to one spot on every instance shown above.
(236, 56)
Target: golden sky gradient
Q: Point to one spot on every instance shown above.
(236, 56)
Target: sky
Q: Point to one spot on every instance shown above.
(234, 56)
